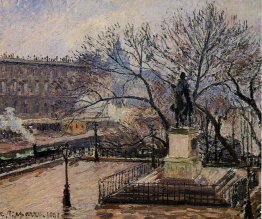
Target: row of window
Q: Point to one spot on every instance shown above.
(23, 88)
(34, 87)
(25, 107)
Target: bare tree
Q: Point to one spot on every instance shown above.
(126, 56)
(132, 134)
(245, 80)
(215, 51)
(202, 45)
(248, 116)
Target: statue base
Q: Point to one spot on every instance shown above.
(183, 160)
(186, 168)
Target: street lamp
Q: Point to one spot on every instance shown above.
(66, 198)
(248, 208)
(217, 115)
(153, 150)
(95, 125)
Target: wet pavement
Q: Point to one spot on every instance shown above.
(164, 212)
(41, 191)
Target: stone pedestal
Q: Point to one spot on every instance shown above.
(183, 160)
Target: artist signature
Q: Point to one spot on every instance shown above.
(29, 214)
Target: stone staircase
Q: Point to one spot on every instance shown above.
(224, 178)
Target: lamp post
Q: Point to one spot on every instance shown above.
(95, 125)
(248, 208)
(246, 161)
(153, 150)
(66, 198)
(242, 137)
(206, 137)
(217, 114)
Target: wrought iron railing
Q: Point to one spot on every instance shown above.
(245, 161)
(167, 193)
(237, 191)
(122, 188)
(134, 153)
(113, 183)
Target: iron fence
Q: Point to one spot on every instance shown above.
(245, 161)
(113, 183)
(130, 153)
(18, 163)
(122, 188)
(237, 191)
(167, 193)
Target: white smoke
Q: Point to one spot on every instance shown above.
(9, 121)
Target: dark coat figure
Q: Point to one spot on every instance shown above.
(183, 107)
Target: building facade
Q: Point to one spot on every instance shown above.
(38, 89)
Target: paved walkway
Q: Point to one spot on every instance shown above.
(163, 212)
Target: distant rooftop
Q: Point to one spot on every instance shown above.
(65, 61)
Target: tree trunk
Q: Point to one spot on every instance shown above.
(222, 139)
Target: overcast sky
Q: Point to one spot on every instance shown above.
(55, 27)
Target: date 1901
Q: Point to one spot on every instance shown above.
(29, 214)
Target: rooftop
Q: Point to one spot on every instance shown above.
(65, 61)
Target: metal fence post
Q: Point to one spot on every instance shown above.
(157, 191)
(143, 191)
(138, 190)
(184, 191)
(174, 194)
(148, 195)
(163, 192)
(167, 192)
(201, 193)
(214, 192)
(133, 192)
(99, 192)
